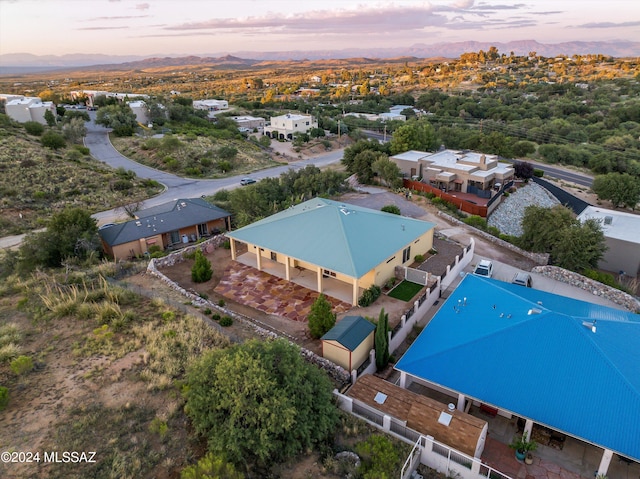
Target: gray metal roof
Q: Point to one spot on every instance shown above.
(163, 218)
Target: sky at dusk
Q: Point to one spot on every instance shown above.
(181, 27)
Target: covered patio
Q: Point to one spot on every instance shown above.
(576, 459)
(304, 277)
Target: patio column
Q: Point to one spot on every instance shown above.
(258, 258)
(354, 300)
(287, 270)
(403, 379)
(232, 242)
(528, 427)
(461, 402)
(319, 279)
(605, 461)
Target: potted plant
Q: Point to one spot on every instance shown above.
(523, 445)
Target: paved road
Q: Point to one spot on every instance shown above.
(97, 140)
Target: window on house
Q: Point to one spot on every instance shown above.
(406, 254)
(327, 273)
(307, 123)
(274, 256)
(203, 230)
(174, 237)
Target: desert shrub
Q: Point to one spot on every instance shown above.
(159, 426)
(538, 173)
(53, 140)
(380, 458)
(419, 258)
(4, 397)
(226, 321)
(207, 311)
(21, 365)
(201, 270)
(221, 302)
(215, 317)
(211, 466)
(476, 221)
(369, 295)
(393, 209)
(33, 128)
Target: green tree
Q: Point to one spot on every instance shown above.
(118, 117)
(201, 270)
(393, 209)
(50, 118)
(71, 233)
(321, 318)
(414, 135)
(227, 152)
(211, 466)
(523, 169)
(570, 244)
(52, 139)
(387, 171)
(621, 188)
(523, 148)
(363, 165)
(260, 401)
(381, 341)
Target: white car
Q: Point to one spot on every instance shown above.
(484, 268)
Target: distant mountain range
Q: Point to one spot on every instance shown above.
(27, 63)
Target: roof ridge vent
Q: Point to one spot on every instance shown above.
(534, 311)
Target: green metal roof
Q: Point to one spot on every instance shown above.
(350, 332)
(339, 237)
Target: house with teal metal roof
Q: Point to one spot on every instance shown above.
(348, 343)
(334, 242)
(569, 365)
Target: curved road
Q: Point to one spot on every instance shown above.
(97, 140)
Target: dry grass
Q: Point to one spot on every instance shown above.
(36, 182)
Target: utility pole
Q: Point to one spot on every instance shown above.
(384, 136)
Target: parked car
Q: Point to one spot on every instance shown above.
(523, 279)
(484, 268)
(247, 181)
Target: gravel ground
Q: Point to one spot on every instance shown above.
(507, 217)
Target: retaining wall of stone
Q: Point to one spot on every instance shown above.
(588, 284)
(540, 258)
(334, 371)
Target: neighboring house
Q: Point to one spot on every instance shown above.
(622, 235)
(249, 122)
(569, 365)
(334, 245)
(283, 127)
(449, 170)
(89, 96)
(141, 110)
(211, 105)
(28, 108)
(348, 343)
(176, 222)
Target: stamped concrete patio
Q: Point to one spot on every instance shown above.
(270, 294)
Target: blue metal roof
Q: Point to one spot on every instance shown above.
(347, 239)
(350, 332)
(534, 353)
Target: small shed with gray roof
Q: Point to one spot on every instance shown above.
(348, 343)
